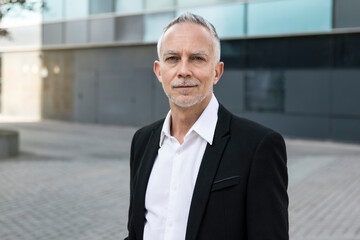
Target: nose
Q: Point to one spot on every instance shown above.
(184, 70)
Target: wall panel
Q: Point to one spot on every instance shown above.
(345, 92)
(53, 34)
(308, 92)
(346, 13)
(101, 30)
(76, 32)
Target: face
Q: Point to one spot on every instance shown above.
(187, 67)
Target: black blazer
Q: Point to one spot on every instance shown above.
(241, 188)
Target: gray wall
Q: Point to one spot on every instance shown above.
(24, 36)
(346, 13)
(57, 86)
(117, 86)
(321, 104)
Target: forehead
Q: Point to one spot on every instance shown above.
(187, 36)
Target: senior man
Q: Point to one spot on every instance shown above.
(202, 173)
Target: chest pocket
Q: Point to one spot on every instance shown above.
(225, 183)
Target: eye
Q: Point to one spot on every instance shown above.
(198, 58)
(171, 59)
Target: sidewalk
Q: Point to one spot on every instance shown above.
(71, 182)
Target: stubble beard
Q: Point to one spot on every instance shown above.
(186, 103)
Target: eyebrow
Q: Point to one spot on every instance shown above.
(173, 52)
(199, 52)
(170, 52)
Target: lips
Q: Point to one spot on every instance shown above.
(185, 86)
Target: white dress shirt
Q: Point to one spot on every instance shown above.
(173, 176)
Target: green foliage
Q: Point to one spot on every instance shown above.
(7, 5)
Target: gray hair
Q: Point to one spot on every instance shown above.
(196, 19)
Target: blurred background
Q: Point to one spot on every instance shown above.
(293, 65)
(76, 81)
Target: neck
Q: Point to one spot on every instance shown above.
(182, 119)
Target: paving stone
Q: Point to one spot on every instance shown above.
(71, 182)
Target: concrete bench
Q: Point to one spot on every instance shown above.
(9, 143)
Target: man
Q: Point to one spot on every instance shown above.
(202, 173)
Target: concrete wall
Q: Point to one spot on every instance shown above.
(321, 104)
(21, 86)
(57, 85)
(22, 37)
(116, 85)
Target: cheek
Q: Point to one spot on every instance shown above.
(166, 83)
(207, 72)
(208, 79)
(168, 75)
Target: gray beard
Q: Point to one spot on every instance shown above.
(196, 100)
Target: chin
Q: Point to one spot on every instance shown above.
(185, 102)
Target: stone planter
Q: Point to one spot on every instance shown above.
(9, 143)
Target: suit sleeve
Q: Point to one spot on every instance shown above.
(267, 199)
(132, 173)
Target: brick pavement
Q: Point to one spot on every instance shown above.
(324, 190)
(71, 182)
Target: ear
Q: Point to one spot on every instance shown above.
(157, 70)
(219, 69)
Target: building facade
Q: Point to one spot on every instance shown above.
(292, 65)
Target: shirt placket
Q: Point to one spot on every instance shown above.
(173, 193)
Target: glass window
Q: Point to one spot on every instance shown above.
(347, 49)
(54, 10)
(264, 91)
(23, 36)
(346, 13)
(129, 28)
(101, 6)
(76, 32)
(52, 33)
(228, 19)
(290, 16)
(101, 30)
(125, 6)
(76, 9)
(310, 52)
(155, 24)
(189, 3)
(233, 54)
(159, 4)
(267, 53)
(19, 15)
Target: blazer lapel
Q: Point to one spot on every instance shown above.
(207, 172)
(147, 162)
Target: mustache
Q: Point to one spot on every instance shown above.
(184, 83)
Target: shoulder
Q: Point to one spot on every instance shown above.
(241, 125)
(249, 127)
(245, 130)
(145, 132)
(255, 132)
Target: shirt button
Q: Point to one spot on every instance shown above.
(170, 224)
(174, 188)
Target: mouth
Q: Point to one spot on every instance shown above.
(185, 86)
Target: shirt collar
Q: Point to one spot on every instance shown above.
(204, 126)
(165, 131)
